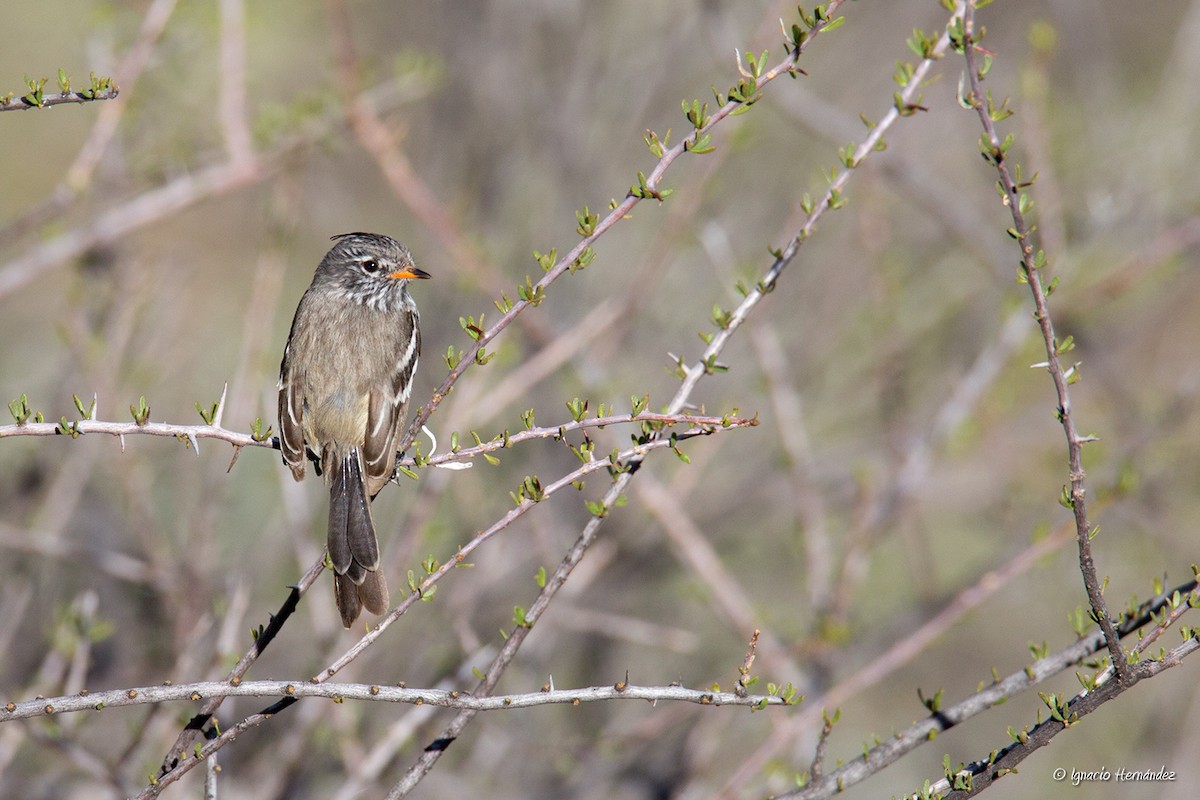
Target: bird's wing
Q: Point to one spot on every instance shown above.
(387, 411)
(291, 417)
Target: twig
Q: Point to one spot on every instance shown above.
(79, 175)
(744, 676)
(186, 433)
(49, 100)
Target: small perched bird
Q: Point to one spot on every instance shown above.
(344, 386)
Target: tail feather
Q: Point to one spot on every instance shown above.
(360, 528)
(373, 593)
(353, 547)
(346, 594)
(338, 541)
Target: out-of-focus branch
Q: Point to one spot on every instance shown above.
(116, 564)
(793, 437)
(695, 551)
(231, 104)
(124, 218)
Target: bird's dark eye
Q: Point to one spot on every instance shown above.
(371, 266)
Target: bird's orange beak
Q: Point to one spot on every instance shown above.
(409, 273)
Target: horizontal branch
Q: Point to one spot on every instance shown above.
(187, 433)
(443, 698)
(62, 98)
(699, 424)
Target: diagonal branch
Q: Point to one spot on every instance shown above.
(923, 731)
(581, 252)
(707, 365)
(975, 777)
(175, 767)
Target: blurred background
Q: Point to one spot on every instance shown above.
(156, 246)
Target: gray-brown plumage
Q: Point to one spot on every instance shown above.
(344, 386)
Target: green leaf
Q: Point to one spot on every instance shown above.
(21, 411)
(140, 411)
(453, 357)
(1064, 498)
(702, 143)
(256, 430)
(578, 408)
(583, 261)
(587, 222)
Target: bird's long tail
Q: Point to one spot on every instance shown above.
(358, 582)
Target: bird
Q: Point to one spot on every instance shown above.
(344, 385)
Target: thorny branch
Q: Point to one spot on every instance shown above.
(442, 698)
(1002, 689)
(191, 434)
(1032, 262)
(618, 212)
(707, 366)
